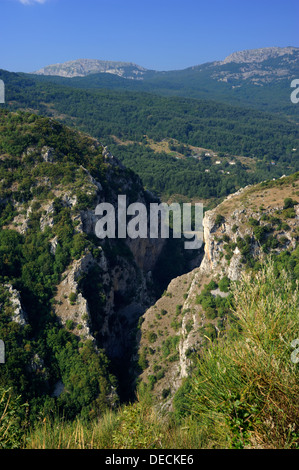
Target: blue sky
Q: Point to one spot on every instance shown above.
(157, 34)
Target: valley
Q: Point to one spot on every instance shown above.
(137, 342)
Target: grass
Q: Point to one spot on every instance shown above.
(60, 434)
(247, 387)
(134, 426)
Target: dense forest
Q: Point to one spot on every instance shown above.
(203, 82)
(267, 139)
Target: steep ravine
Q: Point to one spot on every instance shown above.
(67, 295)
(94, 289)
(243, 227)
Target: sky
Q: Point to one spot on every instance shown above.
(156, 34)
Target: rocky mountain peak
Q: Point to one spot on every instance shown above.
(259, 55)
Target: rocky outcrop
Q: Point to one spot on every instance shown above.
(259, 55)
(48, 154)
(256, 67)
(19, 315)
(225, 229)
(71, 307)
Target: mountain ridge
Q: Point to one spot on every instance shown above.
(259, 55)
(130, 70)
(255, 78)
(84, 67)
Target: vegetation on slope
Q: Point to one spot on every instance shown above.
(228, 130)
(243, 392)
(41, 352)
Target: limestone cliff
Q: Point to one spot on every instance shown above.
(245, 225)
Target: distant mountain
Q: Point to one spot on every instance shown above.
(84, 67)
(260, 55)
(258, 78)
(265, 64)
(259, 65)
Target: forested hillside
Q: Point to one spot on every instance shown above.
(61, 287)
(240, 381)
(270, 141)
(258, 78)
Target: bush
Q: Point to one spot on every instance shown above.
(289, 213)
(211, 286)
(151, 336)
(73, 298)
(289, 203)
(219, 219)
(224, 284)
(165, 393)
(142, 360)
(69, 324)
(253, 222)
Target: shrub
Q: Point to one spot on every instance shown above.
(219, 219)
(151, 336)
(189, 325)
(288, 203)
(253, 222)
(211, 286)
(178, 309)
(289, 213)
(165, 393)
(224, 284)
(73, 298)
(69, 324)
(142, 360)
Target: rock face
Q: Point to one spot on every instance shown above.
(71, 306)
(19, 315)
(259, 55)
(253, 64)
(258, 65)
(48, 154)
(125, 279)
(117, 273)
(230, 235)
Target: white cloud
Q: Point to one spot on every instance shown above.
(32, 2)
